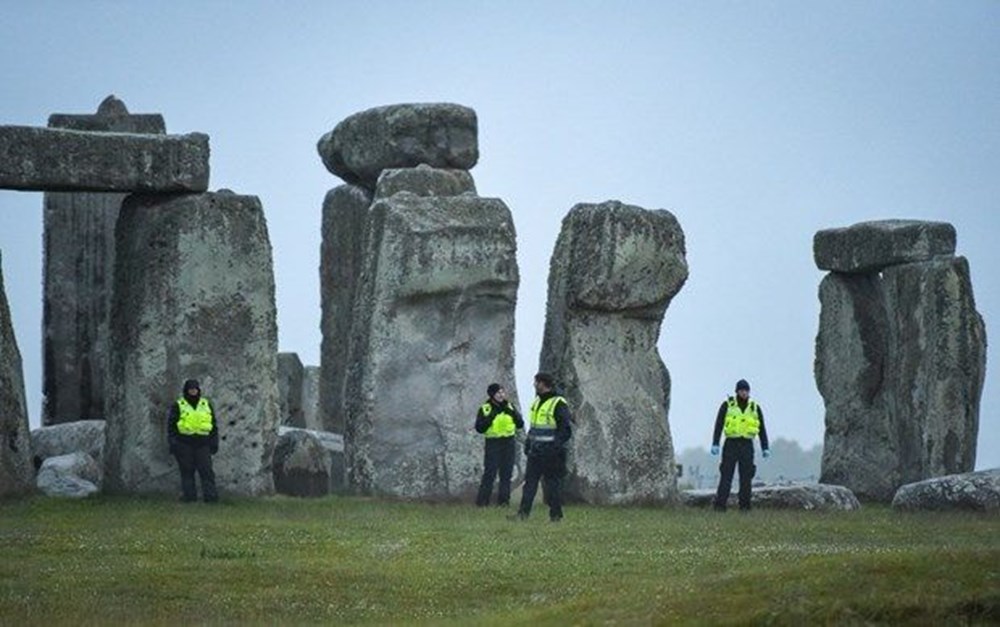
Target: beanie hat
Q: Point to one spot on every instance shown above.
(192, 384)
(492, 389)
(742, 385)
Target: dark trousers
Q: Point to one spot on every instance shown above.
(549, 467)
(192, 458)
(735, 451)
(498, 458)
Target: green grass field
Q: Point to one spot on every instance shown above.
(351, 560)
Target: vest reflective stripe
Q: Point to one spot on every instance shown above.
(741, 423)
(543, 419)
(503, 423)
(194, 420)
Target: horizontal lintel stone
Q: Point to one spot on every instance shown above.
(872, 246)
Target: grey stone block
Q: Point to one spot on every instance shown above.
(424, 180)
(872, 246)
(976, 491)
(47, 159)
(17, 474)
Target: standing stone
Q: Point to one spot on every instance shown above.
(434, 321)
(400, 136)
(900, 356)
(310, 398)
(308, 463)
(345, 219)
(614, 271)
(51, 160)
(79, 262)
(193, 298)
(17, 474)
(290, 390)
(939, 366)
(860, 448)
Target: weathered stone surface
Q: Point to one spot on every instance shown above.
(82, 436)
(938, 368)
(424, 180)
(193, 298)
(400, 136)
(310, 398)
(434, 320)
(79, 262)
(799, 496)
(979, 491)
(345, 219)
(861, 447)
(49, 160)
(16, 471)
(290, 390)
(75, 475)
(308, 463)
(871, 246)
(614, 270)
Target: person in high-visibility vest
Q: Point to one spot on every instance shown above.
(742, 419)
(545, 446)
(499, 421)
(193, 436)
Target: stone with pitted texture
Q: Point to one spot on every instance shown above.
(52, 160)
(424, 180)
(308, 463)
(872, 246)
(434, 319)
(613, 273)
(977, 491)
(193, 299)
(310, 398)
(290, 390)
(83, 436)
(441, 135)
(74, 475)
(816, 497)
(17, 473)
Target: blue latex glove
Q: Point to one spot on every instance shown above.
(715, 449)
(766, 453)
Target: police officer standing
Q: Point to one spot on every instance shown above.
(742, 419)
(546, 447)
(499, 421)
(194, 437)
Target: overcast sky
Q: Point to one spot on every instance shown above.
(756, 124)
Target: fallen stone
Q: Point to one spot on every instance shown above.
(193, 298)
(17, 473)
(75, 475)
(82, 436)
(308, 463)
(614, 270)
(872, 246)
(424, 180)
(977, 491)
(434, 320)
(816, 497)
(50, 160)
(400, 136)
(78, 268)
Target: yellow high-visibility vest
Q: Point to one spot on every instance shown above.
(741, 423)
(194, 420)
(543, 419)
(503, 423)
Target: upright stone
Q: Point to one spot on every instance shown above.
(434, 319)
(310, 398)
(193, 298)
(861, 448)
(939, 367)
(79, 262)
(614, 271)
(345, 218)
(290, 390)
(440, 135)
(17, 473)
(50, 160)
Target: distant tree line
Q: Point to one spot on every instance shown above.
(788, 462)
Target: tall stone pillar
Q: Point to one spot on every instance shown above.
(78, 273)
(900, 355)
(193, 298)
(614, 271)
(16, 470)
